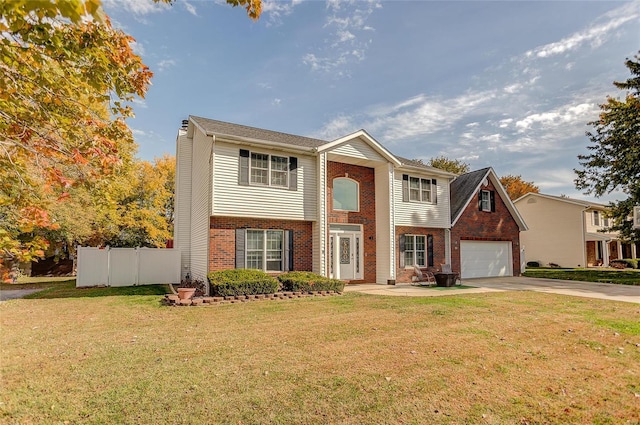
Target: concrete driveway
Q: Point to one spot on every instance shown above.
(605, 291)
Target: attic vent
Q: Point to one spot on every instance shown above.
(531, 201)
(185, 123)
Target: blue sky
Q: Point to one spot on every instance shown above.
(507, 84)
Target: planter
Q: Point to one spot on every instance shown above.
(446, 279)
(186, 293)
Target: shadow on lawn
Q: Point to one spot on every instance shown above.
(67, 289)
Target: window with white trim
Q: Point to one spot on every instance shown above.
(596, 218)
(415, 250)
(345, 194)
(485, 200)
(419, 189)
(269, 170)
(264, 250)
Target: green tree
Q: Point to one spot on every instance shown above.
(516, 186)
(614, 161)
(452, 165)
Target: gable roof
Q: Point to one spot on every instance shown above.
(465, 186)
(419, 165)
(565, 199)
(261, 136)
(235, 131)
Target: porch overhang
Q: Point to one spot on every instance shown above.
(599, 237)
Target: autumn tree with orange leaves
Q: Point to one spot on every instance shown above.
(516, 186)
(67, 78)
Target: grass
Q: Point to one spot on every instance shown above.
(624, 277)
(66, 288)
(499, 358)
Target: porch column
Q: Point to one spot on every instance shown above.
(634, 254)
(619, 246)
(605, 253)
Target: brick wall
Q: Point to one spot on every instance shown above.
(365, 177)
(486, 226)
(403, 274)
(591, 254)
(222, 240)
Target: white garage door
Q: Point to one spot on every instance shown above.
(485, 259)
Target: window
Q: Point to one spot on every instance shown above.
(417, 189)
(486, 201)
(415, 250)
(345, 194)
(264, 250)
(596, 218)
(267, 170)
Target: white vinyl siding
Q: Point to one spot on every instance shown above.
(182, 221)
(232, 199)
(201, 204)
(358, 149)
(422, 214)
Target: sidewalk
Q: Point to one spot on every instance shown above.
(605, 291)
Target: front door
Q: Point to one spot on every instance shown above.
(346, 252)
(347, 263)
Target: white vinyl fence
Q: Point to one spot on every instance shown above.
(127, 266)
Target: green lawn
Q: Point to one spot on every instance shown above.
(493, 358)
(624, 277)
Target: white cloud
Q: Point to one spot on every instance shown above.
(595, 35)
(276, 102)
(276, 10)
(165, 64)
(137, 7)
(190, 8)
(349, 39)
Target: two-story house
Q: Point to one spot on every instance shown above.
(569, 232)
(349, 209)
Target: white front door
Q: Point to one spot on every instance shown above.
(346, 256)
(346, 253)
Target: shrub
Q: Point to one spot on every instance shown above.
(241, 282)
(533, 263)
(624, 263)
(308, 281)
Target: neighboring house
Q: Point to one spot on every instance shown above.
(569, 232)
(348, 209)
(486, 226)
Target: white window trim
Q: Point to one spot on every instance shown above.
(357, 195)
(264, 250)
(486, 202)
(415, 262)
(269, 170)
(421, 190)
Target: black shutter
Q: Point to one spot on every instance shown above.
(405, 188)
(293, 173)
(492, 197)
(288, 251)
(434, 191)
(243, 167)
(430, 250)
(240, 247)
(480, 200)
(401, 245)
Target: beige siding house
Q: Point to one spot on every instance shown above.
(569, 232)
